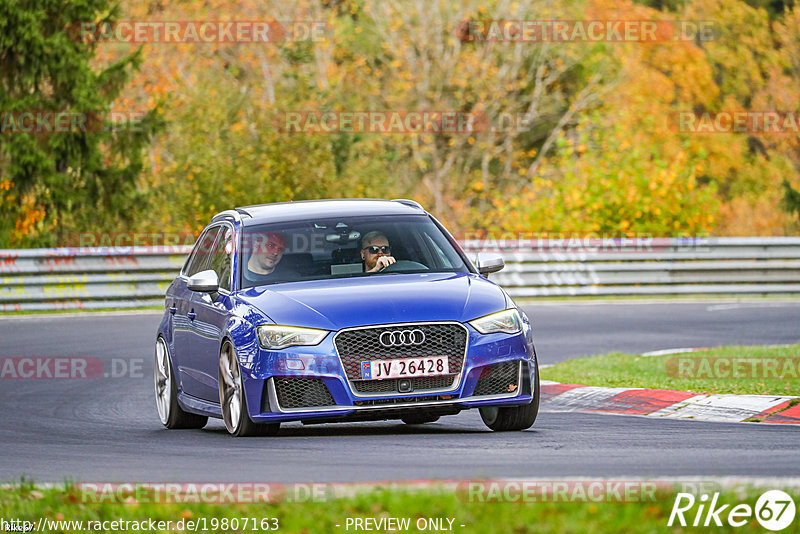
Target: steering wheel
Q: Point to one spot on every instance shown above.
(400, 265)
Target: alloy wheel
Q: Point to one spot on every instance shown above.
(230, 384)
(163, 381)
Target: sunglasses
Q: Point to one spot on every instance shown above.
(386, 249)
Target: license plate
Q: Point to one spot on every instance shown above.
(404, 367)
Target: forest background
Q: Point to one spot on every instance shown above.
(582, 136)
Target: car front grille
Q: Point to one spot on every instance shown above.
(498, 379)
(363, 344)
(417, 384)
(303, 393)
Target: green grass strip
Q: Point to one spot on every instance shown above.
(758, 370)
(648, 515)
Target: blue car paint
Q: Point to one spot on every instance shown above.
(331, 305)
(344, 303)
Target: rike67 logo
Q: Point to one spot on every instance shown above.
(774, 510)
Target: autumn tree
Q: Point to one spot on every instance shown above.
(576, 138)
(54, 183)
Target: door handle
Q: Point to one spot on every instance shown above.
(173, 309)
(191, 315)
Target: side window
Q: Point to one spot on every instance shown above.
(441, 259)
(200, 258)
(221, 261)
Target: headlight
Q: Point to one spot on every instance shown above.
(507, 321)
(279, 337)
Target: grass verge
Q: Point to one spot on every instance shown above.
(643, 515)
(758, 370)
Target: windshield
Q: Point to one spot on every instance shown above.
(344, 247)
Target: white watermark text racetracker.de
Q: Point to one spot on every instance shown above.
(69, 368)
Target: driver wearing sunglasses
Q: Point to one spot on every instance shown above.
(376, 252)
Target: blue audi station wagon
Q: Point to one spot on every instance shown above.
(339, 310)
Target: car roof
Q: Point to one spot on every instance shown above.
(308, 209)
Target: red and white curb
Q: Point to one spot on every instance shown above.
(558, 397)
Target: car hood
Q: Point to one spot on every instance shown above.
(379, 299)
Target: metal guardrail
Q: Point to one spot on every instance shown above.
(87, 278)
(657, 266)
(71, 278)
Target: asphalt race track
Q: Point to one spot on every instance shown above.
(107, 429)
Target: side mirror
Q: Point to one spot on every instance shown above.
(489, 262)
(204, 282)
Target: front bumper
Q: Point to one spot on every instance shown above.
(268, 371)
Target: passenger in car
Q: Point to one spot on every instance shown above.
(376, 252)
(266, 255)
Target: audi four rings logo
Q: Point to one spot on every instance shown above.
(400, 338)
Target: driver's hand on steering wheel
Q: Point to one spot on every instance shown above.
(382, 263)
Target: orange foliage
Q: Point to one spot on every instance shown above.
(389, 56)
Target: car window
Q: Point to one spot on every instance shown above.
(200, 257)
(440, 257)
(222, 258)
(331, 248)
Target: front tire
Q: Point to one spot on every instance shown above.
(169, 412)
(511, 418)
(233, 401)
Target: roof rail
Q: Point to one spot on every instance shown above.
(407, 202)
(228, 213)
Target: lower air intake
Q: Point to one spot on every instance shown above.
(417, 384)
(498, 379)
(303, 393)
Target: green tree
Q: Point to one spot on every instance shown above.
(791, 199)
(56, 184)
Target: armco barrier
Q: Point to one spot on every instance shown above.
(70, 278)
(647, 266)
(87, 278)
